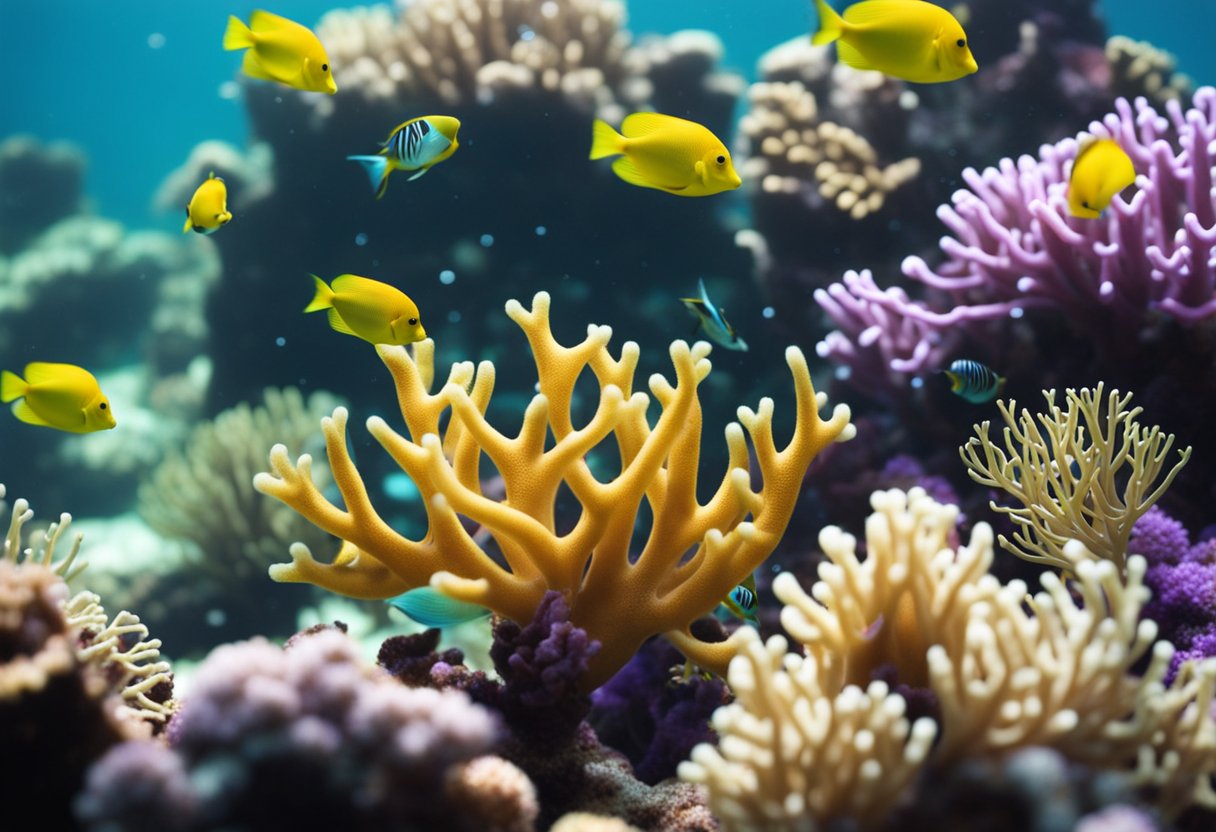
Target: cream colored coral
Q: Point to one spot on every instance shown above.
(41, 545)
(1084, 472)
(913, 590)
(462, 51)
(797, 752)
(790, 150)
(1139, 68)
(619, 598)
(493, 793)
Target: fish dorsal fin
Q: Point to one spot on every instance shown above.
(849, 56)
(878, 11)
(41, 372)
(25, 413)
(347, 283)
(264, 21)
(644, 124)
(338, 325)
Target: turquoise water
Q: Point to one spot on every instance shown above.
(136, 83)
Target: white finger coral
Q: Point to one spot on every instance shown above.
(1058, 669)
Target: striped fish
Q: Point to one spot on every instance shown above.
(418, 145)
(741, 602)
(973, 381)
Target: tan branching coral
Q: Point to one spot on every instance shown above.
(798, 751)
(1009, 671)
(618, 597)
(1086, 472)
(203, 494)
(1139, 68)
(791, 149)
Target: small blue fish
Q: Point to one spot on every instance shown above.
(418, 145)
(431, 608)
(711, 319)
(973, 381)
(741, 602)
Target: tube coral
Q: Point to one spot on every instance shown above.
(1066, 468)
(619, 599)
(1014, 248)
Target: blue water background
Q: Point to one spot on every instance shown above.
(86, 71)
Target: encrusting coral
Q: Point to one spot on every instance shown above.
(1066, 466)
(810, 739)
(618, 599)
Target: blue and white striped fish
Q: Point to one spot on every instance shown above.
(417, 145)
(973, 381)
(712, 319)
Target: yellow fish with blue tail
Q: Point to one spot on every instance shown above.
(1101, 170)
(712, 319)
(974, 382)
(207, 210)
(909, 39)
(418, 145)
(431, 608)
(368, 309)
(667, 153)
(60, 396)
(281, 50)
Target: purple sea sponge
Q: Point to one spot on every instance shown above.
(1160, 538)
(307, 737)
(1015, 249)
(540, 665)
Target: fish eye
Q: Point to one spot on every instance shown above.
(1085, 203)
(325, 67)
(721, 160)
(413, 322)
(103, 405)
(961, 43)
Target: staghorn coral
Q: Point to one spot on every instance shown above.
(1066, 468)
(619, 599)
(1008, 671)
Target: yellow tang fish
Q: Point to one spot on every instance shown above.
(909, 39)
(208, 208)
(60, 396)
(281, 50)
(668, 153)
(1101, 170)
(368, 309)
(418, 144)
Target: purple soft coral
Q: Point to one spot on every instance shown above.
(1182, 578)
(1016, 248)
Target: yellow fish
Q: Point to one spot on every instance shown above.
(909, 39)
(208, 208)
(60, 396)
(668, 153)
(418, 145)
(368, 309)
(1100, 171)
(281, 50)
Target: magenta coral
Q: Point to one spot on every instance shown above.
(1014, 248)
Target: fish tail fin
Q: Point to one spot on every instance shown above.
(237, 35)
(323, 299)
(605, 141)
(377, 169)
(831, 24)
(12, 386)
